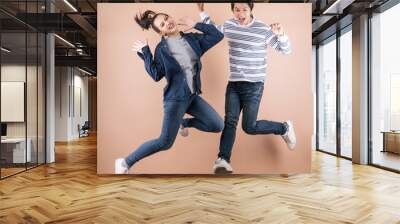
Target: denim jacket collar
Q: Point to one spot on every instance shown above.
(163, 39)
(183, 35)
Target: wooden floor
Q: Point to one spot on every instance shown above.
(5, 172)
(69, 191)
(387, 159)
(10, 171)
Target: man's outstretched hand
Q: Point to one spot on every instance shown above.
(200, 6)
(277, 29)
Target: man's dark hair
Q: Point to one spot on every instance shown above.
(250, 3)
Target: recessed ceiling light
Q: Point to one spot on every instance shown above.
(84, 71)
(338, 6)
(5, 50)
(70, 5)
(64, 40)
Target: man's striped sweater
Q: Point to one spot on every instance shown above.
(248, 47)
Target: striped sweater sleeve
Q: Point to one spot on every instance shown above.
(279, 43)
(205, 18)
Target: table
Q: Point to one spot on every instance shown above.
(391, 141)
(13, 150)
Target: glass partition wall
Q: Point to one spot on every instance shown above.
(385, 90)
(327, 96)
(346, 92)
(22, 88)
(334, 94)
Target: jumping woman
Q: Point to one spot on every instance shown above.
(177, 58)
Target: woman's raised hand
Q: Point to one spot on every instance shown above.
(138, 45)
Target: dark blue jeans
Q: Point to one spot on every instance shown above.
(244, 96)
(204, 118)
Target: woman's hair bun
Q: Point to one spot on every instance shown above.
(145, 20)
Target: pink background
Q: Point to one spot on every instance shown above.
(130, 102)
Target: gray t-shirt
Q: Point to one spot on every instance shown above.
(184, 55)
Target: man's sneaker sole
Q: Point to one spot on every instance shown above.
(222, 170)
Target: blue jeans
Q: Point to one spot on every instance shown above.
(244, 96)
(205, 118)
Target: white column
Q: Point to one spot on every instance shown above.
(50, 100)
(360, 90)
(50, 92)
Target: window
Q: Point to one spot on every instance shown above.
(327, 96)
(346, 93)
(385, 89)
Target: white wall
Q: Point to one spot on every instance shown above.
(12, 73)
(80, 83)
(70, 83)
(62, 81)
(34, 125)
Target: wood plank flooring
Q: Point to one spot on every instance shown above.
(70, 191)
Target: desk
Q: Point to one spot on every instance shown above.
(391, 141)
(15, 148)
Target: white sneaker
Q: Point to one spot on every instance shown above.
(221, 166)
(290, 136)
(183, 131)
(120, 166)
